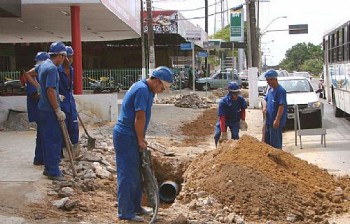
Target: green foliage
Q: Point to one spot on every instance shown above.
(223, 34)
(303, 57)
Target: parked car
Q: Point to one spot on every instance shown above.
(217, 80)
(300, 92)
(303, 74)
(244, 77)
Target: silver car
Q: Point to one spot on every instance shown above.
(217, 80)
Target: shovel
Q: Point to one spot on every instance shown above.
(91, 140)
(163, 152)
(69, 145)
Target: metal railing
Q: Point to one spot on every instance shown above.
(9, 75)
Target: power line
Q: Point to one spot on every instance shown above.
(186, 10)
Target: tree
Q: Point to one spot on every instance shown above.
(303, 57)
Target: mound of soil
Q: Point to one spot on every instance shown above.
(260, 183)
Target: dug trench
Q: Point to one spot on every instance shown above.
(241, 181)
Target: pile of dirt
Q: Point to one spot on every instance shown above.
(261, 183)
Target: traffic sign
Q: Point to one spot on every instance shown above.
(186, 46)
(202, 54)
(298, 29)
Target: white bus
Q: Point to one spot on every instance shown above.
(336, 69)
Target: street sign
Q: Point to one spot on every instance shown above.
(186, 46)
(237, 25)
(239, 45)
(226, 45)
(202, 54)
(193, 34)
(298, 29)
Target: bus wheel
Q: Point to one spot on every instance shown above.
(337, 112)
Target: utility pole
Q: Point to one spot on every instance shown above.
(253, 34)
(206, 30)
(249, 42)
(151, 53)
(143, 43)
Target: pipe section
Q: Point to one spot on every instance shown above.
(168, 191)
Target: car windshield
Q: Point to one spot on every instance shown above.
(301, 74)
(296, 85)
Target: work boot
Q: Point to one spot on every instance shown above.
(137, 219)
(45, 173)
(57, 178)
(144, 211)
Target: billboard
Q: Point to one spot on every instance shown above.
(163, 22)
(237, 25)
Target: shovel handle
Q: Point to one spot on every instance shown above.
(82, 124)
(68, 145)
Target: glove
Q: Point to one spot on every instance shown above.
(243, 125)
(61, 97)
(61, 116)
(223, 137)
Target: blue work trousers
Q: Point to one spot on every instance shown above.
(72, 127)
(128, 174)
(51, 138)
(234, 127)
(273, 136)
(39, 152)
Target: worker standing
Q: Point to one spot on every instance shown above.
(231, 114)
(33, 96)
(68, 106)
(275, 109)
(50, 111)
(129, 140)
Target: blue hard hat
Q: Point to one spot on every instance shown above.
(163, 73)
(69, 50)
(271, 74)
(233, 87)
(41, 56)
(57, 48)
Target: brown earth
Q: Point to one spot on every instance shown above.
(254, 179)
(264, 183)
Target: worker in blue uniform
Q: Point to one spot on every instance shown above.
(129, 140)
(68, 106)
(275, 110)
(33, 96)
(231, 113)
(50, 111)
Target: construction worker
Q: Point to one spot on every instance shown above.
(275, 109)
(50, 111)
(231, 114)
(68, 106)
(33, 96)
(129, 140)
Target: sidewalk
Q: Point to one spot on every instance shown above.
(20, 181)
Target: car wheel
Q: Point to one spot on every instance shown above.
(206, 87)
(337, 112)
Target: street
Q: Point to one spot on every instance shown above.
(336, 156)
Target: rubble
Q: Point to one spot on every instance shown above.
(191, 100)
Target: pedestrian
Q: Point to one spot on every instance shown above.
(321, 89)
(129, 140)
(50, 111)
(33, 96)
(68, 106)
(231, 113)
(275, 109)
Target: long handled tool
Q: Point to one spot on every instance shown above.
(150, 183)
(163, 152)
(69, 145)
(91, 140)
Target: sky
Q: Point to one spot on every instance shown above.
(320, 15)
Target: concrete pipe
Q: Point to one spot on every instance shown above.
(168, 191)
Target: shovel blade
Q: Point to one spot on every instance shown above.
(91, 143)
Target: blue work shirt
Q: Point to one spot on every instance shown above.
(138, 97)
(66, 89)
(32, 104)
(274, 98)
(48, 77)
(231, 109)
